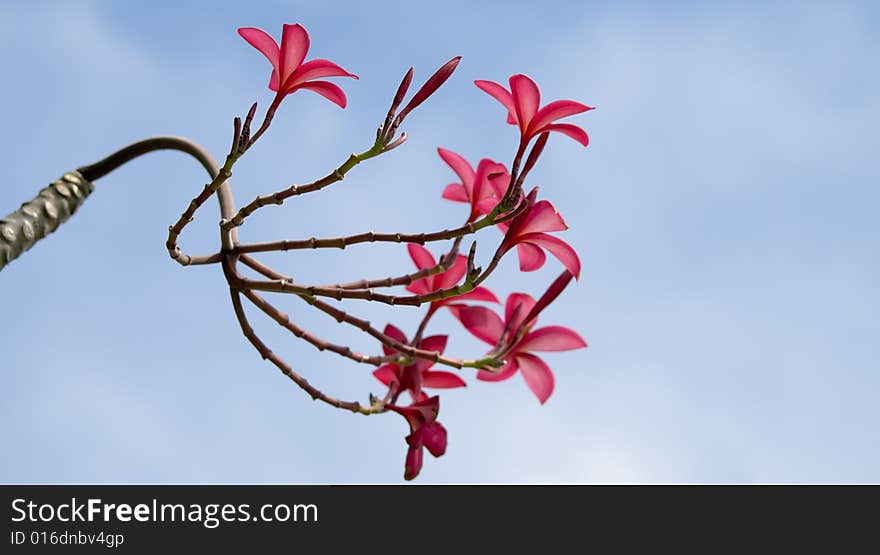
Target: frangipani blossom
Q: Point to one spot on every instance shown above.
(289, 73)
(523, 102)
(425, 431)
(414, 377)
(476, 188)
(446, 280)
(486, 325)
(529, 233)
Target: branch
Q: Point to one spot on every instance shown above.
(444, 263)
(342, 317)
(321, 344)
(279, 197)
(267, 354)
(373, 237)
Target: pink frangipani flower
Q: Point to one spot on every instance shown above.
(414, 377)
(289, 73)
(523, 102)
(529, 233)
(425, 431)
(475, 188)
(446, 280)
(521, 315)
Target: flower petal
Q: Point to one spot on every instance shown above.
(461, 167)
(387, 374)
(453, 275)
(413, 463)
(500, 94)
(552, 338)
(434, 438)
(557, 109)
(294, 46)
(326, 89)
(421, 256)
(434, 343)
(315, 69)
(262, 41)
(516, 308)
(438, 379)
(531, 258)
(542, 217)
(488, 174)
(537, 374)
(273, 81)
(505, 373)
(456, 192)
(483, 323)
(478, 293)
(570, 130)
(394, 333)
(558, 248)
(526, 98)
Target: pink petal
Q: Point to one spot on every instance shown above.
(460, 166)
(387, 374)
(552, 338)
(413, 463)
(512, 228)
(421, 286)
(456, 192)
(273, 81)
(524, 302)
(500, 94)
(570, 130)
(394, 333)
(504, 373)
(453, 275)
(558, 248)
(483, 189)
(537, 374)
(526, 98)
(441, 380)
(434, 343)
(499, 181)
(421, 256)
(542, 217)
(493, 189)
(326, 89)
(315, 69)
(487, 205)
(294, 46)
(262, 41)
(557, 109)
(483, 323)
(434, 438)
(478, 293)
(531, 258)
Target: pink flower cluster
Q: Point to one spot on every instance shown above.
(491, 191)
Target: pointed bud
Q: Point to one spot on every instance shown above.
(471, 271)
(549, 296)
(250, 117)
(401, 90)
(430, 86)
(246, 128)
(537, 149)
(236, 135)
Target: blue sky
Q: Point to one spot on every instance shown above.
(725, 212)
